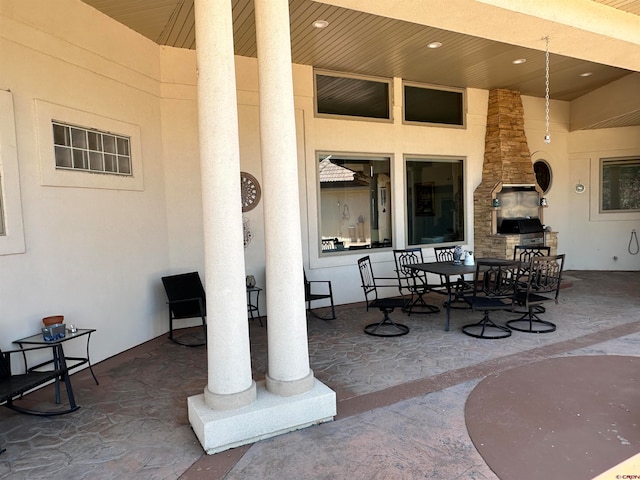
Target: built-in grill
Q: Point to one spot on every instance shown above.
(530, 230)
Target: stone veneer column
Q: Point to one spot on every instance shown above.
(506, 159)
(294, 399)
(288, 371)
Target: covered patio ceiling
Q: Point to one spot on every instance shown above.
(390, 38)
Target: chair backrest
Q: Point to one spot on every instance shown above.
(444, 254)
(496, 278)
(367, 278)
(329, 244)
(404, 258)
(524, 253)
(182, 288)
(545, 275)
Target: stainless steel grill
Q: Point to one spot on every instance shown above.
(530, 230)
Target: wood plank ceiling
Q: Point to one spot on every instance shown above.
(361, 43)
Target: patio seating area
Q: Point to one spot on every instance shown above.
(400, 399)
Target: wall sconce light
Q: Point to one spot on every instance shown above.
(496, 203)
(543, 202)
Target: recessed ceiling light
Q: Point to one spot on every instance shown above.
(434, 45)
(320, 24)
(518, 61)
(586, 74)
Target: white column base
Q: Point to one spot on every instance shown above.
(268, 416)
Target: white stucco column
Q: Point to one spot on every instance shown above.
(230, 384)
(288, 371)
(226, 415)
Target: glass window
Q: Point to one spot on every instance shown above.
(433, 105)
(435, 200)
(620, 184)
(542, 169)
(355, 196)
(78, 148)
(352, 96)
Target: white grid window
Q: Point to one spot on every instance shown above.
(90, 150)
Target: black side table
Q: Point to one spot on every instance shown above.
(77, 361)
(253, 303)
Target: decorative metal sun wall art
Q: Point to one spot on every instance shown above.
(250, 190)
(250, 193)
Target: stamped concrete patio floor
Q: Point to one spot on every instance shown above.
(400, 400)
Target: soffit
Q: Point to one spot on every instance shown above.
(629, 6)
(362, 43)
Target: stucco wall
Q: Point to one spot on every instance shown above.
(92, 254)
(599, 241)
(97, 254)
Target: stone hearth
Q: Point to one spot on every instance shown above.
(507, 161)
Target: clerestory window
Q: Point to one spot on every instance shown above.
(90, 150)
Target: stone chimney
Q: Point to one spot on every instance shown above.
(507, 160)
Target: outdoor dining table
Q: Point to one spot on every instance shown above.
(448, 270)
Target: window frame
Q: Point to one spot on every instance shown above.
(12, 241)
(549, 172)
(425, 86)
(336, 116)
(369, 156)
(601, 166)
(463, 201)
(61, 177)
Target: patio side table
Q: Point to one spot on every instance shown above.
(253, 303)
(75, 361)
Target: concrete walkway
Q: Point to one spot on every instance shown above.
(400, 400)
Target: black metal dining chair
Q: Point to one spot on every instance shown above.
(544, 277)
(524, 253)
(415, 283)
(460, 287)
(495, 283)
(370, 285)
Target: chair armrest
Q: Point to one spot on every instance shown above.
(327, 283)
(392, 282)
(6, 356)
(184, 300)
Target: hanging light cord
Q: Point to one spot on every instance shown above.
(547, 136)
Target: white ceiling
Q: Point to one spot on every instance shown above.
(364, 43)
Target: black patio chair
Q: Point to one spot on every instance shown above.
(543, 285)
(460, 287)
(186, 300)
(524, 254)
(414, 282)
(312, 293)
(13, 386)
(385, 327)
(495, 284)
